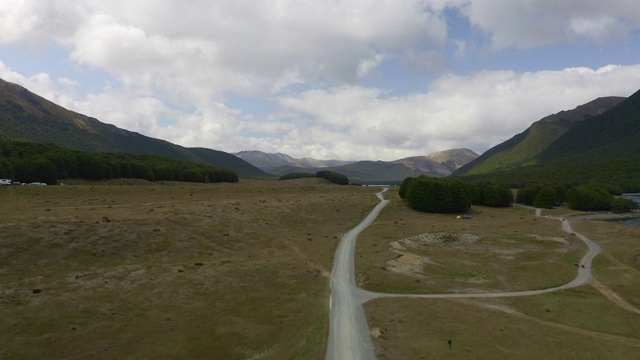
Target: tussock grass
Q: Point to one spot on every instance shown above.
(491, 329)
(619, 264)
(131, 269)
(515, 251)
(146, 270)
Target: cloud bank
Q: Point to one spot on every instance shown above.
(354, 79)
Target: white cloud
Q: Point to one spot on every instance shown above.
(212, 126)
(19, 21)
(476, 112)
(530, 24)
(32, 23)
(69, 83)
(206, 48)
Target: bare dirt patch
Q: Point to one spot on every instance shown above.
(425, 239)
(411, 264)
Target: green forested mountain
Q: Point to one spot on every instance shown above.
(602, 149)
(523, 148)
(28, 162)
(614, 134)
(29, 117)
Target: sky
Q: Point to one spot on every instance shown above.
(327, 79)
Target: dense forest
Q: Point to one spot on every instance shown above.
(447, 195)
(328, 175)
(28, 162)
(623, 173)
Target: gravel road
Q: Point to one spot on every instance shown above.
(349, 336)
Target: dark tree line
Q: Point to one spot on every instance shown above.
(299, 175)
(446, 195)
(542, 195)
(584, 197)
(33, 162)
(616, 175)
(334, 177)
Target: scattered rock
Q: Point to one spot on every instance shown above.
(375, 332)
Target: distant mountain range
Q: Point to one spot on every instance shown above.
(439, 164)
(271, 161)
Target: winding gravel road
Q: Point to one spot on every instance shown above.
(349, 337)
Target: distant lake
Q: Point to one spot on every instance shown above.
(634, 197)
(636, 221)
(631, 222)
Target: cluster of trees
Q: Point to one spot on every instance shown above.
(494, 195)
(447, 195)
(588, 197)
(30, 162)
(334, 177)
(541, 195)
(584, 197)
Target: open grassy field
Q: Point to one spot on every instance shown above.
(497, 249)
(132, 269)
(142, 270)
(501, 250)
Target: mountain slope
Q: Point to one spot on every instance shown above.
(612, 135)
(603, 149)
(523, 148)
(443, 163)
(227, 161)
(29, 117)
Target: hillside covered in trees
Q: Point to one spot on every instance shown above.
(28, 162)
(25, 116)
(602, 149)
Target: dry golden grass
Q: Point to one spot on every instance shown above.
(575, 324)
(618, 266)
(515, 251)
(481, 329)
(131, 269)
(141, 270)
